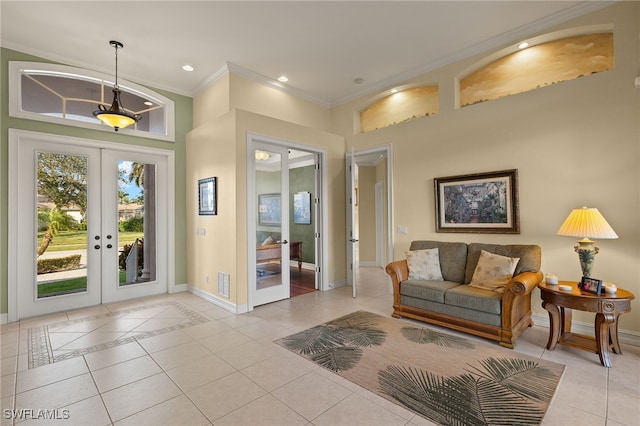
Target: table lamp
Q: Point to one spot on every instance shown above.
(587, 223)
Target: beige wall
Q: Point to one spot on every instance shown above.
(212, 102)
(574, 143)
(249, 95)
(218, 146)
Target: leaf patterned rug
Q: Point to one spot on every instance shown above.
(447, 379)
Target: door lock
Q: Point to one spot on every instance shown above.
(97, 247)
(109, 246)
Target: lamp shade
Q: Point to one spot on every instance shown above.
(587, 223)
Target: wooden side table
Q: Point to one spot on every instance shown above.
(608, 307)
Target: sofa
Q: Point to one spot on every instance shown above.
(465, 294)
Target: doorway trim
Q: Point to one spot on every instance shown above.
(323, 253)
(15, 137)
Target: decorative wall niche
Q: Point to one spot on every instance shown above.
(401, 106)
(538, 66)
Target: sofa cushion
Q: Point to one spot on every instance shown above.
(453, 258)
(474, 298)
(427, 290)
(424, 265)
(493, 271)
(530, 257)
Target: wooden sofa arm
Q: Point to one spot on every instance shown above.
(398, 271)
(524, 283)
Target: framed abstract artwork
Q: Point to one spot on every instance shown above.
(478, 203)
(207, 196)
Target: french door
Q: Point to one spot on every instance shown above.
(90, 225)
(271, 281)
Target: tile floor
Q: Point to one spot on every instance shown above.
(179, 360)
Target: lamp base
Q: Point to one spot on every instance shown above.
(587, 251)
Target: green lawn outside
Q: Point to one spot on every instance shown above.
(70, 285)
(77, 240)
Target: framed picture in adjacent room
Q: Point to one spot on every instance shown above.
(207, 196)
(269, 209)
(302, 208)
(478, 203)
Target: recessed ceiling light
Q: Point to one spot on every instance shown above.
(187, 67)
(358, 80)
(523, 45)
(283, 79)
(148, 103)
(394, 90)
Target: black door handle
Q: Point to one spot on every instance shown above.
(285, 242)
(97, 247)
(109, 246)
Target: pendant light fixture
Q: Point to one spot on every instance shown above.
(116, 116)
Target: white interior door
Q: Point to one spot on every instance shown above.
(352, 221)
(68, 218)
(271, 256)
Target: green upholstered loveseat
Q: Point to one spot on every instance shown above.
(454, 304)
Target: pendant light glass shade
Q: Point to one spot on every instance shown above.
(116, 116)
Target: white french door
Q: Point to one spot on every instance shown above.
(90, 225)
(271, 280)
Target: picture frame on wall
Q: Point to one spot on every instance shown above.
(302, 208)
(269, 209)
(478, 203)
(207, 196)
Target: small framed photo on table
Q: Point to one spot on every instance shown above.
(591, 285)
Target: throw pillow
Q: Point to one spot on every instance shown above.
(493, 271)
(424, 265)
(268, 240)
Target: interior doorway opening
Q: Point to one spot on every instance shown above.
(369, 215)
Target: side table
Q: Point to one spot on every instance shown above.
(608, 307)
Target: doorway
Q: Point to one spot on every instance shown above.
(90, 223)
(369, 210)
(285, 241)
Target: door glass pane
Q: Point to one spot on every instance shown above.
(136, 237)
(61, 246)
(269, 220)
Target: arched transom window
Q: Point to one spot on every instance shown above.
(67, 95)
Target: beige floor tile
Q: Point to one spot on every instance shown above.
(6, 403)
(264, 411)
(93, 338)
(7, 385)
(225, 395)
(138, 396)
(356, 410)
(623, 408)
(9, 365)
(176, 411)
(311, 395)
(164, 341)
(125, 372)
(84, 326)
(277, 371)
(88, 312)
(58, 340)
(248, 354)
(206, 329)
(43, 320)
(200, 372)
(115, 355)
(122, 324)
(180, 355)
(51, 373)
(153, 324)
(58, 394)
(90, 411)
(225, 340)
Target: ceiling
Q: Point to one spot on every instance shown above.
(322, 46)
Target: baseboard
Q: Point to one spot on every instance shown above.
(336, 284)
(224, 304)
(624, 336)
(367, 263)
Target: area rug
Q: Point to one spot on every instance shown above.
(447, 379)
